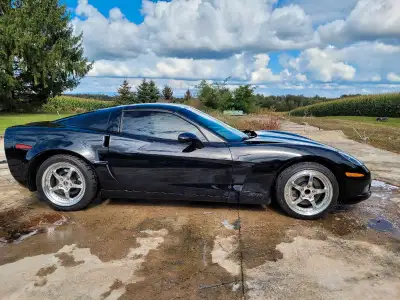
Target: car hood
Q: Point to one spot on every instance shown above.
(273, 136)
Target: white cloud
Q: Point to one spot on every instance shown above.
(261, 73)
(323, 65)
(329, 10)
(153, 66)
(195, 29)
(369, 20)
(365, 61)
(393, 77)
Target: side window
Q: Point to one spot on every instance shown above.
(115, 118)
(97, 120)
(157, 124)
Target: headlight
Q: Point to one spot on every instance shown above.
(352, 159)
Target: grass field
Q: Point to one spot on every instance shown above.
(384, 135)
(395, 122)
(7, 120)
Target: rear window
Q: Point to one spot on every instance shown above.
(97, 120)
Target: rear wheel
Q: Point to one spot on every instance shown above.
(307, 190)
(66, 182)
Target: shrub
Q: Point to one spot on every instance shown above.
(368, 105)
(68, 104)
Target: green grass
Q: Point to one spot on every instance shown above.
(7, 120)
(395, 122)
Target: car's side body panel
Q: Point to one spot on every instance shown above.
(163, 169)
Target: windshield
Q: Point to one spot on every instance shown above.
(216, 126)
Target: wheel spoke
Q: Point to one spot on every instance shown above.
(310, 181)
(55, 188)
(314, 205)
(296, 186)
(320, 191)
(298, 201)
(66, 194)
(69, 173)
(57, 176)
(77, 185)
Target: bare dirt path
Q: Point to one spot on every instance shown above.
(136, 249)
(385, 165)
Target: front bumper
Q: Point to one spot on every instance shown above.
(358, 198)
(355, 190)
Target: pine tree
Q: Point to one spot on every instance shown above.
(142, 91)
(125, 94)
(188, 95)
(168, 94)
(154, 93)
(147, 92)
(39, 54)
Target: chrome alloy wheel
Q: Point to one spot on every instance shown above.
(63, 184)
(308, 192)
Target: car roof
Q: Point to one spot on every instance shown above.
(167, 106)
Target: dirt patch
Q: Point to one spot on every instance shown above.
(118, 284)
(67, 260)
(46, 271)
(188, 268)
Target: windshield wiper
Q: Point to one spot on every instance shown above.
(250, 134)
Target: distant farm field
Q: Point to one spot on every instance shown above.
(395, 122)
(383, 105)
(70, 104)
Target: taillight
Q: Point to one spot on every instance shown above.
(23, 147)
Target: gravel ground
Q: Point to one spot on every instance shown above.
(133, 249)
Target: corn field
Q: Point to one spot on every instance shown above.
(382, 105)
(68, 104)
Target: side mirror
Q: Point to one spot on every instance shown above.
(191, 138)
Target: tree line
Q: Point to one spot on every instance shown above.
(214, 95)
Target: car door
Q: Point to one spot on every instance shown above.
(147, 159)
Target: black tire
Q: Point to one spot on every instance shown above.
(87, 172)
(286, 174)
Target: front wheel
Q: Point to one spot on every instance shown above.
(66, 182)
(307, 190)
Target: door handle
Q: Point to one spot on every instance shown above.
(106, 141)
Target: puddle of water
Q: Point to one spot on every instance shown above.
(382, 189)
(17, 232)
(233, 226)
(383, 185)
(380, 224)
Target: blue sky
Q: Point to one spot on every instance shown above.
(279, 46)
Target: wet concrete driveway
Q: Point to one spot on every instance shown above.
(135, 249)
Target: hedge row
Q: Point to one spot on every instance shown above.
(383, 105)
(68, 104)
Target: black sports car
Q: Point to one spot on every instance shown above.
(166, 151)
